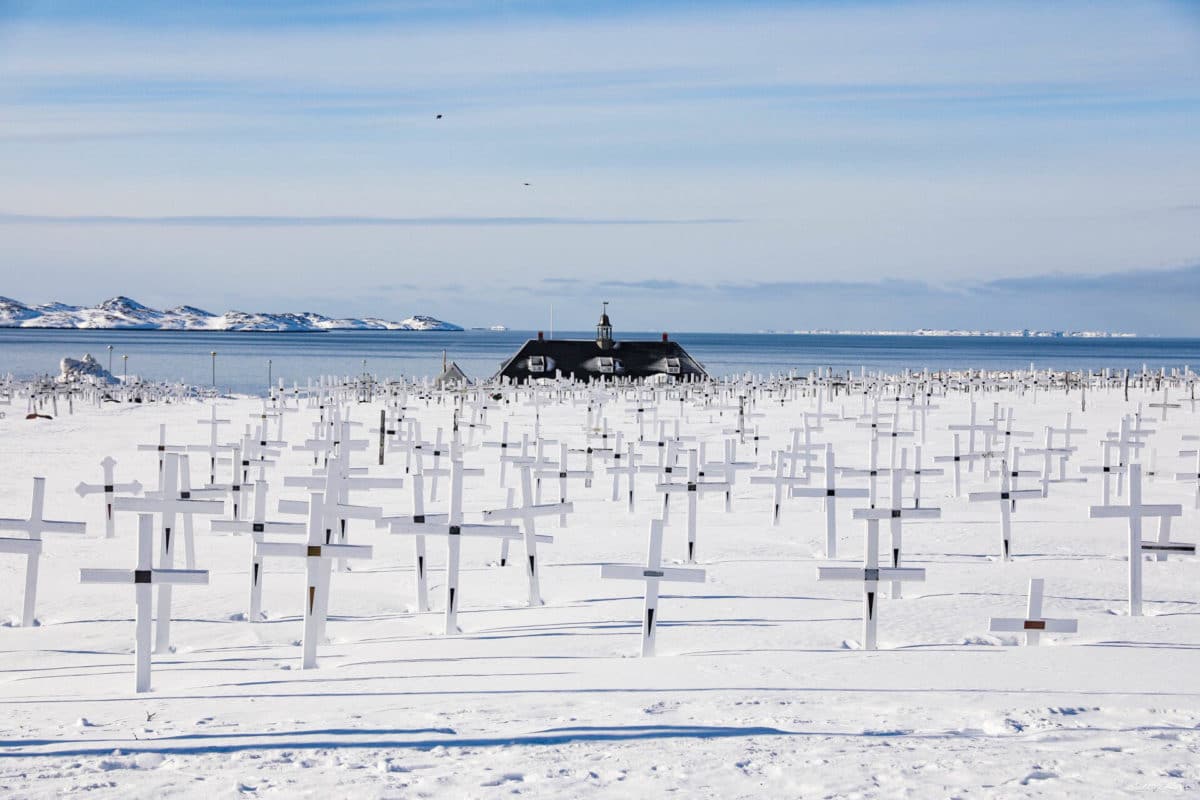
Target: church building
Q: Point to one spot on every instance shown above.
(602, 358)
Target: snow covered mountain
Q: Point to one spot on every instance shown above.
(124, 312)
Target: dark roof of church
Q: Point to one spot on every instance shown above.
(583, 358)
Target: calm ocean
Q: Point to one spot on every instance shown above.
(242, 358)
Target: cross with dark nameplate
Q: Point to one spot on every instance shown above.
(652, 575)
(144, 577)
(109, 489)
(870, 574)
(1033, 625)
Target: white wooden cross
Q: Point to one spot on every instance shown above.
(972, 427)
(1066, 432)
(213, 447)
(162, 448)
(257, 526)
(896, 516)
(109, 488)
(729, 466)
(1135, 512)
(1005, 496)
(1105, 470)
(830, 493)
(564, 474)
(652, 574)
(917, 472)
(318, 555)
(1164, 405)
(1048, 452)
(453, 529)
(31, 545)
(872, 472)
(1034, 623)
(629, 469)
(144, 577)
(693, 488)
(528, 513)
(778, 482)
(418, 520)
(168, 503)
(1127, 441)
(870, 573)
(504, 445)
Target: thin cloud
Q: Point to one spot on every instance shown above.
(267, 221)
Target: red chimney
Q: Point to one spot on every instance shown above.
(540, 337)
(664, 336)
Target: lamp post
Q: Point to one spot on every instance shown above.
(214, 368)
(268, 377)
(125, 369)
(110, 349)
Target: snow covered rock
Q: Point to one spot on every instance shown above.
(126, 313)
(86, 369)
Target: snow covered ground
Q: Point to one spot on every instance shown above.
(758, 689)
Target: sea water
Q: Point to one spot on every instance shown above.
(244, 359)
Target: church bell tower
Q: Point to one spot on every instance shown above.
(604, 338)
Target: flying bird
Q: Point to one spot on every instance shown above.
(527, 184)
(439, 116)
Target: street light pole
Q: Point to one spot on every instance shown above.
(110, 349)
(125, 369)
(268, 377)
(214, 369)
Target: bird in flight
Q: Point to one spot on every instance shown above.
(527, 184)
(439, 116)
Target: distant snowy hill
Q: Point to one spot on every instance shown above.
(123, 312)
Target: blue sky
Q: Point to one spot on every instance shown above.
(703, 165)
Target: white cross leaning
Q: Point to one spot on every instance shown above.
(652, 574)
(318, 555)
(258, 526)
(108, 489)
(528, 513)
(31, 546)
(168, 503)
(144, 577)
(453, 529)
(1034, 624)
(693, 488)
(1006, 496)
(830, 493)
(870, 573)
(1135, 512)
